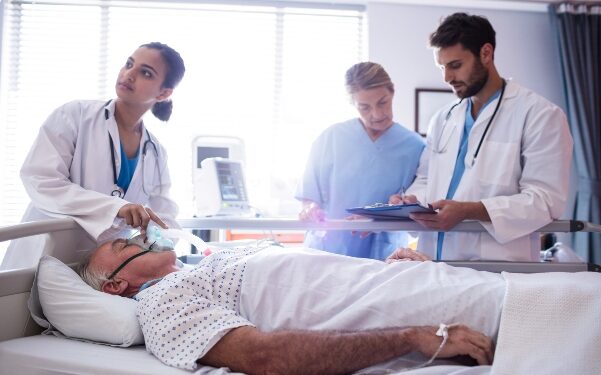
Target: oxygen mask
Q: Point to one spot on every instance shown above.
(158, 239)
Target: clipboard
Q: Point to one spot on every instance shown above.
(390, 211)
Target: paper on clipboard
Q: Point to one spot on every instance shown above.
(390, 211)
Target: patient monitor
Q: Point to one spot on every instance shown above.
(217, 173)
(220, 188)
(210, 146)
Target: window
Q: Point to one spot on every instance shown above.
(271, 73)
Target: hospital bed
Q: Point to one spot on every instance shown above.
(23, 350)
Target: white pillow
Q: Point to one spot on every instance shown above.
(73, 307)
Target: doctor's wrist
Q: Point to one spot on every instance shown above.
(475, 211)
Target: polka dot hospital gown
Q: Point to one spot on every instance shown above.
(186, 313)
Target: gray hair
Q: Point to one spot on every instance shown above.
(93, 276)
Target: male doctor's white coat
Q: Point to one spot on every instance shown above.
(68, 173)
(521, 175)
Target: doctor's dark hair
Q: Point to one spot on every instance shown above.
(471, 31)
(365, 76)
(175, 73)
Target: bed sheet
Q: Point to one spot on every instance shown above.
(45, 355)
(41, 355)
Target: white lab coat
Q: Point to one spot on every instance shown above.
(521, 175)
(68, 172)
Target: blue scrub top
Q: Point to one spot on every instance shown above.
(460, 162)
(347, 169)
(128, 167)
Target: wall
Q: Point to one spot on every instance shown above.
(398, 38)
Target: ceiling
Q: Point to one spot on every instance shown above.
(532, 5)
(555, 1)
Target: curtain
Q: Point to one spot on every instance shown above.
(578, 31)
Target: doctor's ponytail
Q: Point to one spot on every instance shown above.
(162, 110)
(175, 72)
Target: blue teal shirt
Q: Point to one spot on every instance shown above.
(460, 162)
(347, 169)
(128, 167)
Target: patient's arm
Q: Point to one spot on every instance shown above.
(248, 350)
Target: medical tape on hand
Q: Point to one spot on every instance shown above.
(443, 331)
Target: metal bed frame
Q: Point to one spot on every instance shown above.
(409, 225)
(57, 225)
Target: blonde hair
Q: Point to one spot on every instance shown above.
(365, 76)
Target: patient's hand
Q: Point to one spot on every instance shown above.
(462, 341)
(404, 253)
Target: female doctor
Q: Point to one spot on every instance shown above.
(96, 162)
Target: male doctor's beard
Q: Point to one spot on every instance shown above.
(476, 81)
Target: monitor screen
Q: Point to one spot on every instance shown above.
(203, 153)
(231, 181)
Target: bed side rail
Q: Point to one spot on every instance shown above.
(525, 267)
(32, 228)
(65, 240)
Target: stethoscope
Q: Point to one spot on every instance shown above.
(443, 149)
(118, 190)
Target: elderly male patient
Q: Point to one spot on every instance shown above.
(297, 310)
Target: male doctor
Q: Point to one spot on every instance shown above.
(500, 155)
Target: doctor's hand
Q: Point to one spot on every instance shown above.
(462, 340)
(405, 253)
(402, 199)
(311, 212)
(450, 213)
(137, 215)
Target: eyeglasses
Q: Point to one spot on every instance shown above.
(130, 242)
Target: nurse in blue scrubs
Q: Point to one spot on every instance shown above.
(359, 162)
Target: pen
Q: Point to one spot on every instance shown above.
(401, 192)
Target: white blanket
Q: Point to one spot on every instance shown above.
(550, 324)
(311, 289)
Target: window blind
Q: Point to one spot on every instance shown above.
(271, 73)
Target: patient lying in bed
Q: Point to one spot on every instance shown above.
(289, 310)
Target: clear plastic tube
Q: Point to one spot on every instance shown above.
(200, 245)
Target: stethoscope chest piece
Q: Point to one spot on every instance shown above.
(117, 192)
